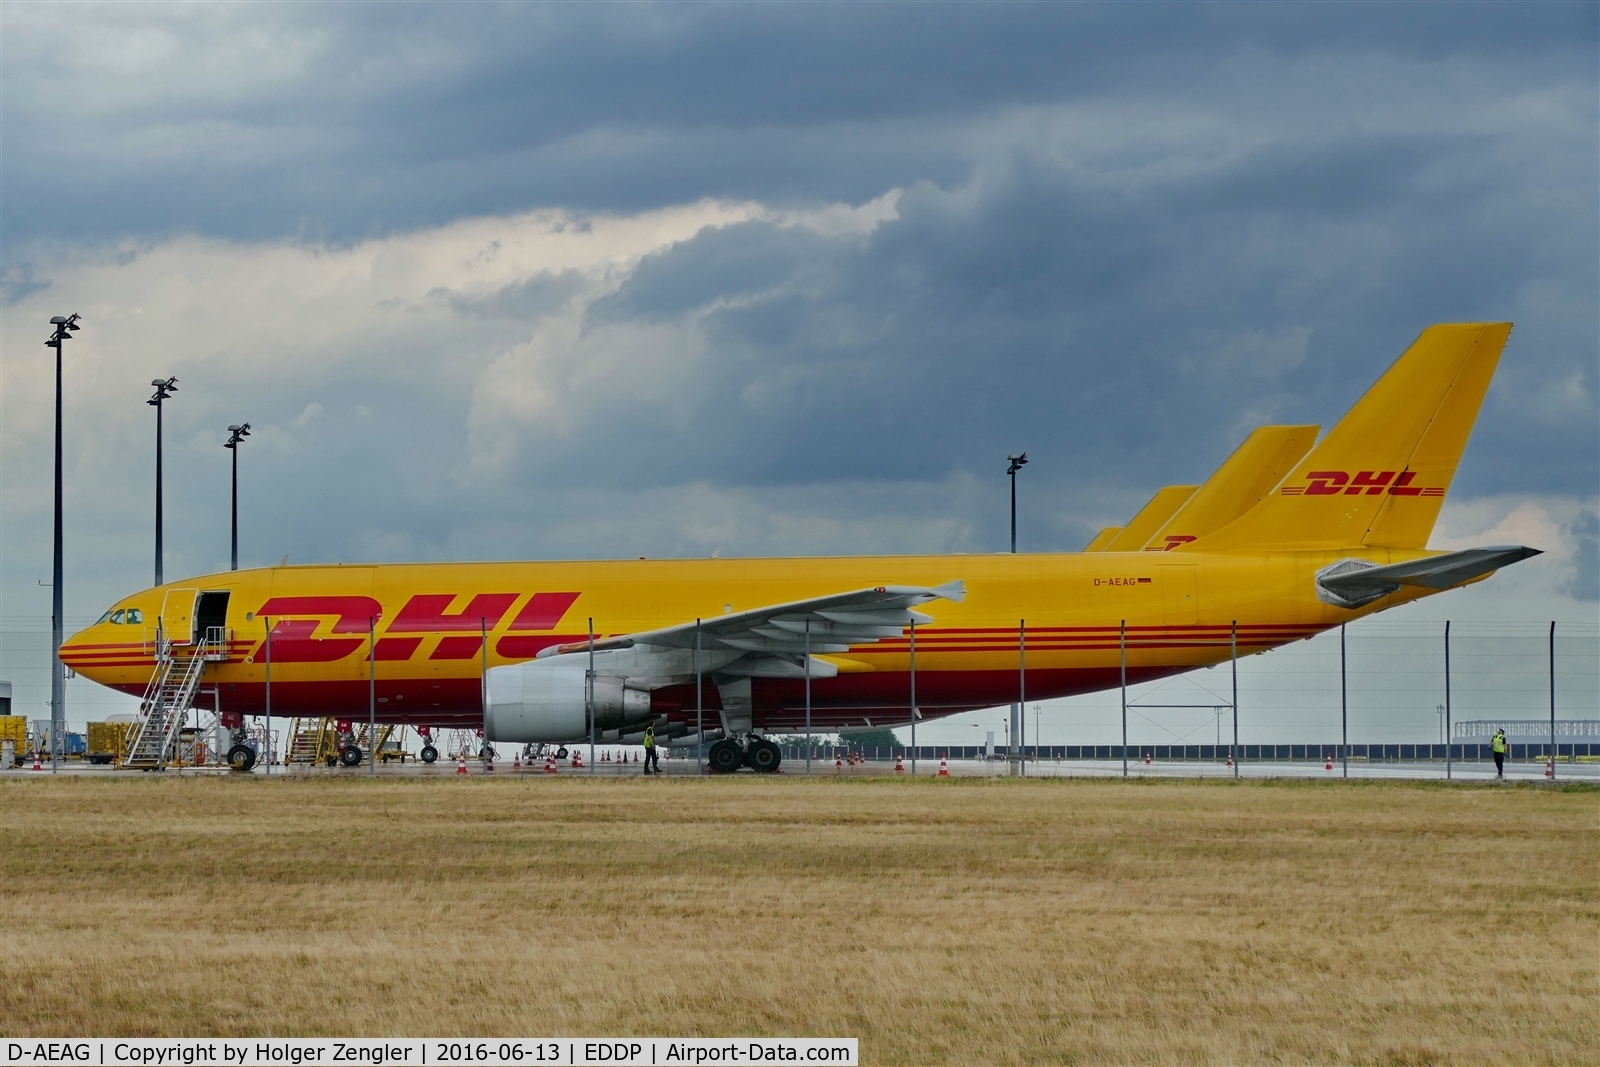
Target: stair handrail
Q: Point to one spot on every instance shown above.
(165, 706)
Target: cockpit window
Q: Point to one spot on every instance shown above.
(135, 616)
(116, 616)
(106, 618)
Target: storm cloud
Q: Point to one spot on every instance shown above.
(557, 281)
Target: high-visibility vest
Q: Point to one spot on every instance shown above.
(650, 737)
(1499, 742)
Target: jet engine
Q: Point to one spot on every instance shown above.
(546, 702)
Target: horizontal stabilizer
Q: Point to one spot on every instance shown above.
(1350, 583)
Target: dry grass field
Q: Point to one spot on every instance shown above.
(962, 921)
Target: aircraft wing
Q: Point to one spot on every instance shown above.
(835, 622)
(1354, 582)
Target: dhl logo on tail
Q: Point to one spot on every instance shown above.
(1372, 483)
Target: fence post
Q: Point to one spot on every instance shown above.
(1448, 767)
(1233, 648)
(1122, 645)
(1552, 701)
(1344, 707)
(1022, 689)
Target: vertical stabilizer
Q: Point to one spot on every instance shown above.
(1254, 470)
(1151, 518)
(1100, 540)
(1380, 475)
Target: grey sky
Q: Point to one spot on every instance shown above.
(524, 280)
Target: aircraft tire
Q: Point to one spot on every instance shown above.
(350, 756)
(429, 754)
(763, 756)
(241, 757)
(725, 756)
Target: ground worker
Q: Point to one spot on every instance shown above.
(650, 759)
(1498, 745)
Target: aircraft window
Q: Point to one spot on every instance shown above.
(116, 616)
(135, 616)
(105, 618)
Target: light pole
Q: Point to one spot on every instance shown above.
(165, 387)
(64, 328)
(1017, 463)
(235, 435)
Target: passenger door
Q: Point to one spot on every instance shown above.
(177, 616)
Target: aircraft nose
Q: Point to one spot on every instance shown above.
(73, 650)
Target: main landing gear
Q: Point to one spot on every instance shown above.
(429, 754)
(757, 753)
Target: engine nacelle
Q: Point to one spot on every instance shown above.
(545, 702)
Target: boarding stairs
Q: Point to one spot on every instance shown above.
(168, 698)
(390, 741)
(313, 741)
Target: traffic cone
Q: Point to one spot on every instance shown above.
(1230, 759)
(36, 765)
(1147, 759)
(461, 763)
(838, 764)
(1329, 765)
(577, 759)
(550, 764)
(899, 765)
(944, 767)
(1550, 767)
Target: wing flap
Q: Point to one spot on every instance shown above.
(861, 616)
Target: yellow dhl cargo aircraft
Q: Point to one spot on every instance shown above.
(1285, 541)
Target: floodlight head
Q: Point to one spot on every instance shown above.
(1017, 462)
(164, 390)
(64, 325)
(233, 429)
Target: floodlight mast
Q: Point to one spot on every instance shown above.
(65, 326)
(1017, 463)
(235, 435)
(165, 387)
